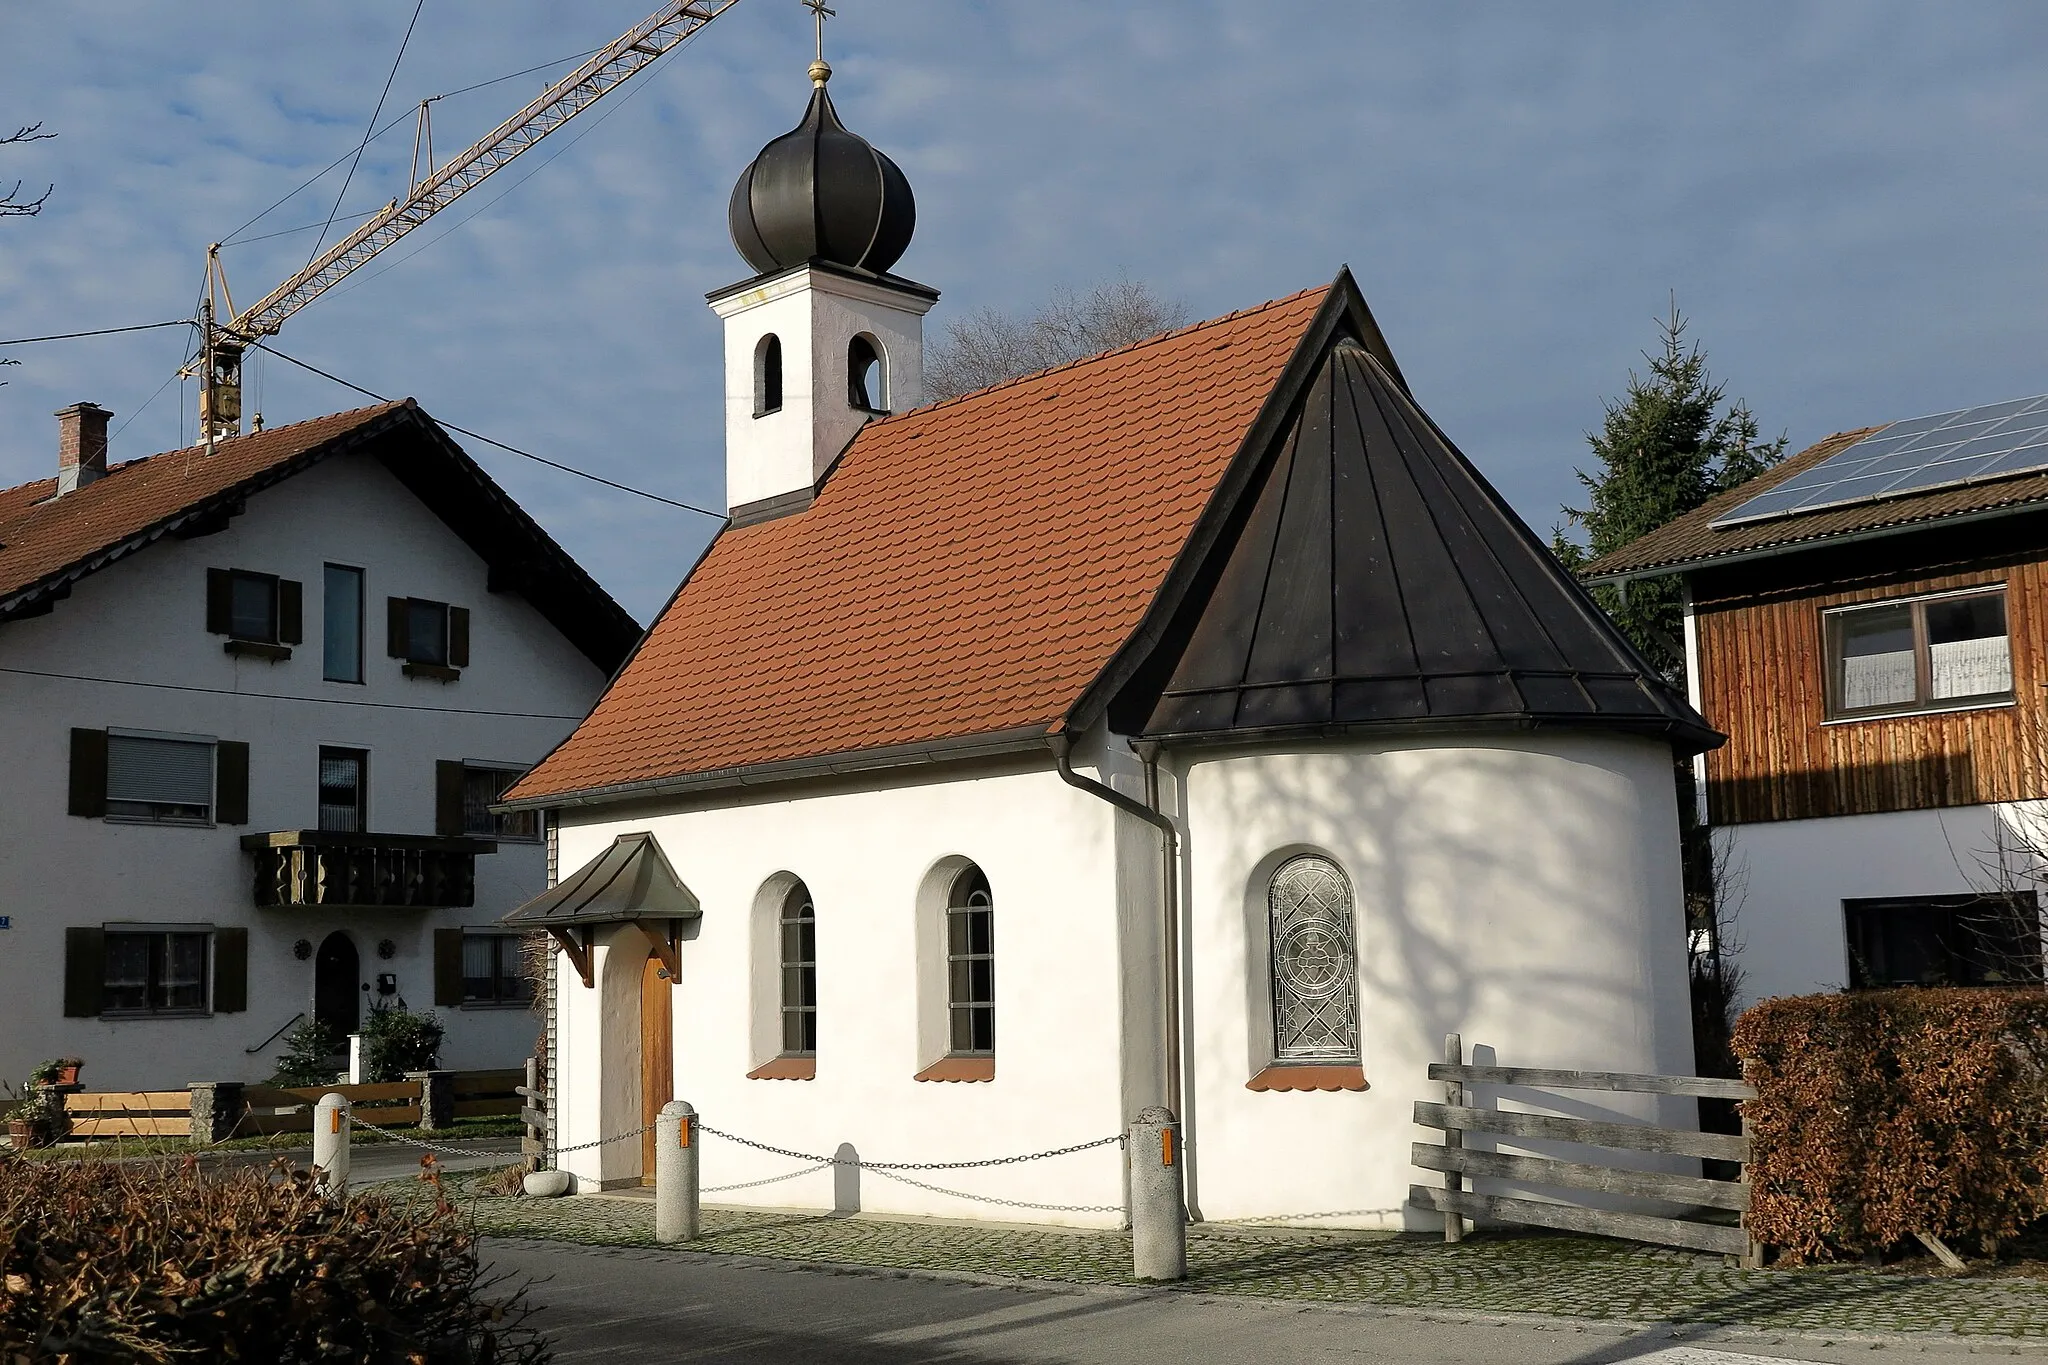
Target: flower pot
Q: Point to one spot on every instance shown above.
(67, 1075)
(26, 1133)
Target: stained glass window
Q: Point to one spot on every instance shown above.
(1315, 970)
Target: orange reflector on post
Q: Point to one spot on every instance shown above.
(334, 1118)
(1166, 1146)
(683, 1133)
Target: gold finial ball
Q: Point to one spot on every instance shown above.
(821, 71)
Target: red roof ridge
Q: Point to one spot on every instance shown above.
(141, 460)
(1153, 340)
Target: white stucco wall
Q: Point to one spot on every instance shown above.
(144, 619)
(864, 853)
(1522, 891)
(1788, 879)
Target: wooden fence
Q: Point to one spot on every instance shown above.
(534, 1114)
(1698, 1197)
(266, 1109)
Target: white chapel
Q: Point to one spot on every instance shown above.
(1191, 725)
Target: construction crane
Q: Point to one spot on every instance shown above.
(218, 365)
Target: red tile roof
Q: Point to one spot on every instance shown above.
(968, 569)
(42, 537)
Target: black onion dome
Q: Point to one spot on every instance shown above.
(821, 193)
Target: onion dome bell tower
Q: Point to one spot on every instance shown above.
(822, 339)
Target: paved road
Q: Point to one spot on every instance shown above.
(602, 1303)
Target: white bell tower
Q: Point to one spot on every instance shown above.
(823, 338)
(811, 355)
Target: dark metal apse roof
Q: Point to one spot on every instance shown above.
(1366, 575)
(821, 193)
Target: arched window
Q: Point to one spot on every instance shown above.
(768, 376)
(799, 938)
(865, 384)
(1315, 968)
(971, 965)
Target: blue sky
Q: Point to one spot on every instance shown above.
(1847, 198)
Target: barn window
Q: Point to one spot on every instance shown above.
(799, 926)
(1314, 966)
(865, 382)
(768, 376)
(1921, 654)
(971, 966)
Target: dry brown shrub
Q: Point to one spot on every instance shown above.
(1880, 1114)
(103, 1262)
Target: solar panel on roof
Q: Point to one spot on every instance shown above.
(1968, 445)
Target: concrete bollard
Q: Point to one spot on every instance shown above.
(1159, 1228)
(675, 1173)
(330, 1143)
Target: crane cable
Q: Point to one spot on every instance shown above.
(370, 131)
(493, 441)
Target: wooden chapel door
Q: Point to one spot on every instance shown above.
(657, 1056)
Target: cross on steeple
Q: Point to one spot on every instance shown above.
(819, 11)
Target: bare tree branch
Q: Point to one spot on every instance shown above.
(12, 205)
(988, 347)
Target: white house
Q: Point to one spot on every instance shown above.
(254, 707)
(1189, 725)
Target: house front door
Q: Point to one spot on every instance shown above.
(337, 985)
(657, 1056)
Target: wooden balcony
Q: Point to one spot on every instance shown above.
(304, 867)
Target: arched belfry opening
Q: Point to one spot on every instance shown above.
(768, 375)
(867, 380)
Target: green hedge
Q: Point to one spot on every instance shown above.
(1880, 1114)
(102, 1262)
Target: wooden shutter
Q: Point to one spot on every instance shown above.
(448, 965)
(89, 774)
(220, 602)
(397, 632)
(231, 783)
(230, 971)
(291, 612)
(448, 820)
(458, 637)
(85, 971)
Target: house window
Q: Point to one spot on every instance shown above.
(484, 787)
(253, 607)
(768, 376)
(971, 965)
(260, 613)
(156, 972)
(1314, 967)
(432, 637)
(159, 777)
(341, 625)
(344, 790)
(1927, 653)
(799, 930)
(864, 381)
(1944, 941)
(492, 970)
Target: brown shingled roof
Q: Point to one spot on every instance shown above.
(44, 539)
(968, 569)
(1692, 539)
(48, 543)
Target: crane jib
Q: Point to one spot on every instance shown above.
(633, 51)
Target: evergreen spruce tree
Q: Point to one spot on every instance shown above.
(1665, 447)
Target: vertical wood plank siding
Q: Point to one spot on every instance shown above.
(1763, 673)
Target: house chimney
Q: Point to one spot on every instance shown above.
(81, 446)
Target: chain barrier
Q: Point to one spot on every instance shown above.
(883, 1166)
(470, 1151)
(771, 1180)
(1006, 1203)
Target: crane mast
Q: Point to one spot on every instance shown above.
(219, 365)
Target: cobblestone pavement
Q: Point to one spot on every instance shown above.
(1558, 1275)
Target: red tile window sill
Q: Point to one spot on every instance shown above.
(786, 1069)
(1309, 1078)
(959, 1069)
